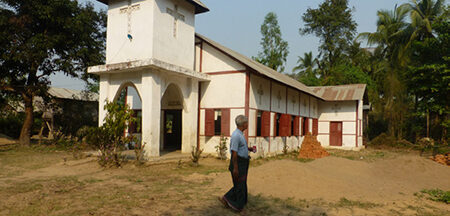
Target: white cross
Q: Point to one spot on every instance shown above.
(260, 93)
(176, 16)
(130, 8)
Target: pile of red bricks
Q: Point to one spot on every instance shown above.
(442, 159)
(311, 148)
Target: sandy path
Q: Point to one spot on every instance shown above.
(332, 178)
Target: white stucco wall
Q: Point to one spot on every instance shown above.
(341, 111)
(177, 50)
(278, 98)
(261, 85)
(304, 105)
(152, 32)
(214, 60)
(224, 91)
(118, 47)
(151, 85)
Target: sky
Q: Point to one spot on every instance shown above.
(236, 25)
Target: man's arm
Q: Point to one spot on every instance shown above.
(235, 165)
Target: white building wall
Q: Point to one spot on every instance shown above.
(278, 98)
(224, 91)
(178, 50)
(214, 60)
(339, 111)
(118, 47)
(259, 93)
(292, 103)
(304, 106)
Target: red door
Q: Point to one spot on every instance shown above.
(335, 133)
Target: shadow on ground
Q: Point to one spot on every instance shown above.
(258, 205)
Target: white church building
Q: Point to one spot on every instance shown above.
(187, 89)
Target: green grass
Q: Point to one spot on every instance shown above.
(437, 195)
(346, 203)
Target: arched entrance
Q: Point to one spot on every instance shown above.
(171, 118)
(128, 94)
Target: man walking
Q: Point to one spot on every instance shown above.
(236, 197)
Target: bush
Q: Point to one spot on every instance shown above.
(139, 152)
(221, 149)
(109, 139)
(438, 195)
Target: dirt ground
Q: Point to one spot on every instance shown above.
(47, 181)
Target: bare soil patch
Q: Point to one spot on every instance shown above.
(51, 183)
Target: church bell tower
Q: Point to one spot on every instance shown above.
(163, 30)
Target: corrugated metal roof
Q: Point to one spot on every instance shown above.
(341, 92)
(199, 6)
(72, 94)
(260, 68)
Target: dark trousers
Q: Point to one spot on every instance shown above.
(237, 196)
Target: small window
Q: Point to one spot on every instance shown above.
(277, 124)
(217, 122)
(258, 123)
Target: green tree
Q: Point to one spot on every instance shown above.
(423, 14)
(43, 37)
(305, 63)
(275, 49)
(430, 74)
(391, 38)
(307, 71)
(333, 24)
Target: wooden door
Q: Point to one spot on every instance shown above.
(335, 133)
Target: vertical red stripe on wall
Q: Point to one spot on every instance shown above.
(225, 124)
(356, 123)
(209, 122)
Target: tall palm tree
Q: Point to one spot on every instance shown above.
(305, 64)
(392, 33)
(423, 14)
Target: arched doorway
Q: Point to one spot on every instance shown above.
(128, 94)
(171, 118)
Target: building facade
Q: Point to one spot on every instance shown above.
(188, 89)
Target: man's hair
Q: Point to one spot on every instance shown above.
(241, 120)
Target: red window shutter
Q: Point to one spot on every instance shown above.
(296, 126)
(289, 125)
(284, 125)
(315, 127)
(265, 121)
(306, 125)
(209, 122)
(225, 124)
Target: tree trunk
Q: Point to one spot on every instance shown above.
(25, 133)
